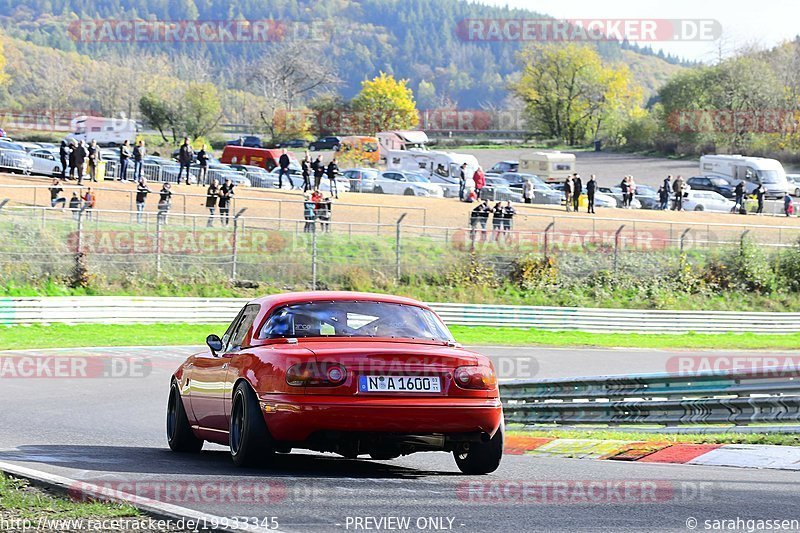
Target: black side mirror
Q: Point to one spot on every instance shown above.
(215, 343)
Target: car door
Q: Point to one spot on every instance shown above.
(232, 348)
(391, 182)
(207, 385)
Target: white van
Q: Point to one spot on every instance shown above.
(106, 131)
(751, 170)
(549, 166)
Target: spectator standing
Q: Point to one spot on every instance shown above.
(75, 205)
(89, 201)
(739, 192)
(624, 186)
(527, 192)
(324, 214)
(138, 160)
(479, 178)
(72, 167)
(668, 189)
(226, 193)
(508, 219)
(577, 189)
(462, 181)
(761, 191)
(141, 197)
(202, 160)
(185, 158)
(124, 156)
(80, 160)
(309, 213)
(333, 169)
(55, 194)
(305, 167)
(663, 198)
(212, 195)
(283, 163)
(319, 170)
(92, 157)
(568, 193)
(497, 221)
(631, 191)
(481, 214)
(677, 191)
(164, 201)
(788, 205)
(591, 188)
(63, 154)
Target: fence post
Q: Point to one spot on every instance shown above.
(741, 240)
(397, 249)
(314, 257)
(616, 246)
(683, 236)
(158, 245)
(234, 246)
(546, 238)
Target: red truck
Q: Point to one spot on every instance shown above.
(259, 157)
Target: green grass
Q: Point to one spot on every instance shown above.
(24, 502)
(64, 336)
(693, 438)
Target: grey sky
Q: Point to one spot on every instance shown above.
(743, 22)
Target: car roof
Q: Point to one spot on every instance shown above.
(273, 300)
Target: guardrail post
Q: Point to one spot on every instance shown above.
(616, 245)
(397, 249)
(234, 246)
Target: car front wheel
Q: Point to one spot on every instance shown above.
(698, 208)
(179, 433)
(482, 457)
(251, 444)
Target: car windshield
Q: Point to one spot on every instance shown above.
(769, 176)
(417, 178)
(354, 319)
(718, 182)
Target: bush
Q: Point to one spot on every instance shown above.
(531, 272)
(472, 273)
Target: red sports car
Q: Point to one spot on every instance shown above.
(342, 372)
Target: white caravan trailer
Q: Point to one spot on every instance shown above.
(393, 141)
(106, 131)
(549, 166)
(751, 170)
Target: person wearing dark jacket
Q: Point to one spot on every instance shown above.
(75, 206)
(591, 188)
(319, 170)
(141, 197)
(497, 221)
(212, 195)
(332, 170)
(508, 219)
(305, 166)
(739, 191)
(124, 156)
(71, 159)
(761, 191)
(55, 194)
(480, 214)
(80, 159)
(202, 160)
(577, 189)
(138, 160)
(164, 201)
(568, 188)
(462, 181)
(668, 184)
(283, 163)
(677, 191)
(92, 156)
(225, 195)
(663, 198)
(63, 154)
(185, 158)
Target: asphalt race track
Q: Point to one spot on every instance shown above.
(110, 430)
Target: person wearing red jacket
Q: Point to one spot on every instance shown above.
(479, 178)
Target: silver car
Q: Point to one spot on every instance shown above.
(16, 160)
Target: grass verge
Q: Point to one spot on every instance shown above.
(689, 438)
(67, 336)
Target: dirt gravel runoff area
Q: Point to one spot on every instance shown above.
(377, 214)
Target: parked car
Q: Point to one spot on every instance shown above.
(325, 143)
(45, 162)
(502, 167)
(16, 160)
(712, 183)
(361, 179)
(648, 197)
(516, 180)
(497, 190)
(309, 370)
(601, 199)
(543, 193)
(794, 183)
(257, 176)
(250, 141)
(293, 143)
(695, 200)
(406, 183)
(450, 185)
(616, 194)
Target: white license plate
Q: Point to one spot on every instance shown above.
(399, 384)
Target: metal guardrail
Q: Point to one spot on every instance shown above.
(127, 310)
(734, 397)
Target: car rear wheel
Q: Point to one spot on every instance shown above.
(482, 457)
(312, 147)
(251, 444)
(698, 208)
(179, 433)
(378, 190)
(409, 192)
